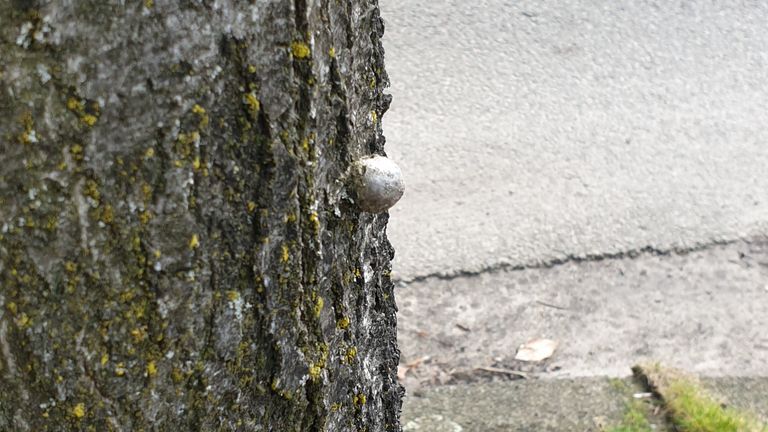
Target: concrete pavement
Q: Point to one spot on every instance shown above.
(705, 312)
(594, 172)
(531, 131)
(563, 405)
(578, 405)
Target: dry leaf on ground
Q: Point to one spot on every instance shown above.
(402, 370)
(536, 350)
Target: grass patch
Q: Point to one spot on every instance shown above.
(690, 408)
(634, 420)
(638, 413)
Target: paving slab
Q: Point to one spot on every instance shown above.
(583, 405)
(750, 394)
(532, 131)
(554, 405)
(705, 312)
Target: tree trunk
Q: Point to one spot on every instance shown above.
(179, 246)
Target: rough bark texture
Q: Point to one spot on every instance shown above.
(179, 249)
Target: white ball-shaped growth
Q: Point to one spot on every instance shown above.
(379, 184)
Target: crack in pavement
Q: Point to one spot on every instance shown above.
(570, 258)
(701, 308)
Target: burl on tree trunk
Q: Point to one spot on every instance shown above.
(180, 247)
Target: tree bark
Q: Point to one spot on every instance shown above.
(180, 249)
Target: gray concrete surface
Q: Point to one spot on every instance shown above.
(747, 394)
(531, 131)
(562, 405)
(587, 404)
(705, 312)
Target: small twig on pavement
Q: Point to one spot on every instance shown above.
(502, 371)
(551, 305)
(463, 327)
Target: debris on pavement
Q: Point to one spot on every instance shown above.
(463, 327)
(536, 350)
(402, 370)
(502, 371)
